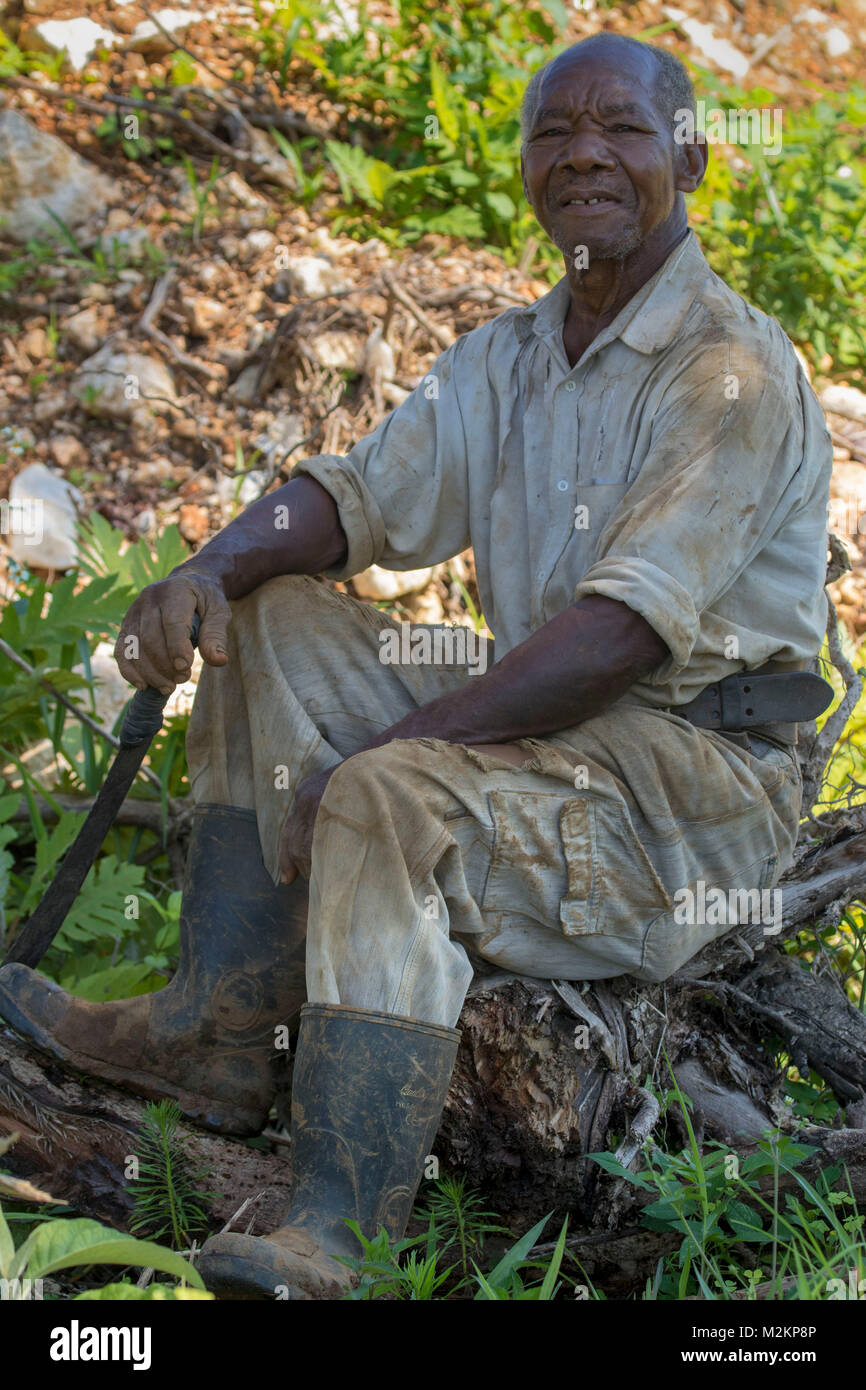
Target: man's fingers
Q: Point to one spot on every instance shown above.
(177, 617)
(213, 633)
(154, 646)
(126, 650)
(154, 661)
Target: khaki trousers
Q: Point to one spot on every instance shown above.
(565, 868)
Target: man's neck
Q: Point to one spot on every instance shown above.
(605, 287)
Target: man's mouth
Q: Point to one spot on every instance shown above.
(594, 200)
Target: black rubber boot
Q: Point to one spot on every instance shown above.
(207, 1040)
(367, 1095)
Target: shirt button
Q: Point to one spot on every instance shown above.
(562, 485)
(571, 386)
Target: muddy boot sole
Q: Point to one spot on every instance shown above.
(256, 1267)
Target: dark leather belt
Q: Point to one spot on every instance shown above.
(767, 698)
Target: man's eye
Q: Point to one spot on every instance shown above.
(624, 127)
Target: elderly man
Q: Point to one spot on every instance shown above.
(642, 470)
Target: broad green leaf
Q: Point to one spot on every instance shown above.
(662, 1210)
(131, 1293)
(49, 852)
(502, 205)
(99, 909)
(612, 1165)
(114, 982)
(183, 70)
(459, 176)
(104, 551)
(147, 566)
(458, 221)
(557, 11)
(353, 169)
(443, 102)
(63, 1244)
(379, 178)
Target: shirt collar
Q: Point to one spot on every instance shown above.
(651, 318)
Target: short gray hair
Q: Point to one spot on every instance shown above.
(673, 87)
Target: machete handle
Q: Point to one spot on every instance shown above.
(143, 717)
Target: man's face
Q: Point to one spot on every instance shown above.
(600, 166)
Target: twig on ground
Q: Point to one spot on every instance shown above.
(147, 324)
(442, 336)
(133, 811)
(111, 101)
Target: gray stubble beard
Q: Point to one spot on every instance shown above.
(625, 244)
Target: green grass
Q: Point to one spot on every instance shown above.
(738, 1221)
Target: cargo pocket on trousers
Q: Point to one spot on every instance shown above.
(613, 889)
(527, 874)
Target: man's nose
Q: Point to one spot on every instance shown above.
(586, 150)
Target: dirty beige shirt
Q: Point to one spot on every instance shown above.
(681, 467)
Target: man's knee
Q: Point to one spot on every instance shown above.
(401, 782)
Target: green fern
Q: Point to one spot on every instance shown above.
(359, 174)
(99, 909)
(104, 551)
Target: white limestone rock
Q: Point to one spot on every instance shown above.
(845, 400)
(148, 37)
(119, 384)
(38, 172)
(42, 513)
(378, 584)
(77, 39)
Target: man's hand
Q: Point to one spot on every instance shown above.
(154, 647)
(296, 842)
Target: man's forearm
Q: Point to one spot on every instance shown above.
(575, 666)
(294, 530)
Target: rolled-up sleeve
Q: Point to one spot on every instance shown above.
(402, 491)
(723, 471)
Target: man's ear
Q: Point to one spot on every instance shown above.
(691, 159)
